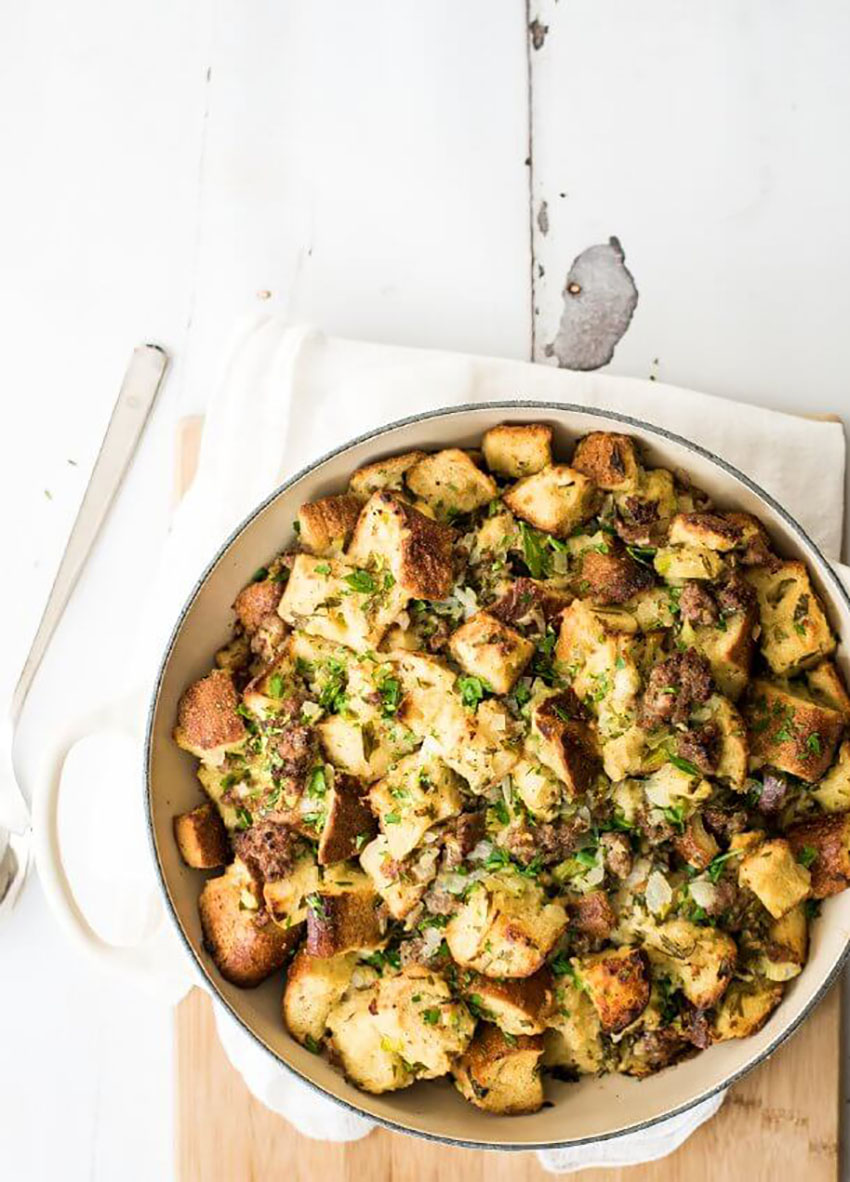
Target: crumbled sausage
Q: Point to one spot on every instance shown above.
(696, 605)
(592, 915)
(773, 793)
(735, 595)
(462, 836)
(674, 686)
(725, 823)
(297, 750)
(637, 521)
(550, 842)
(523, 599)
(701, 746)
(267, 849)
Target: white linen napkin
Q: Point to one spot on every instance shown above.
(290, 393)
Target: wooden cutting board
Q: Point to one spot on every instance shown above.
(781, 1121)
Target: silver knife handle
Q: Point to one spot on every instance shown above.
(138, 391)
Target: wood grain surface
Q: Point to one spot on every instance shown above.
(781, 1121)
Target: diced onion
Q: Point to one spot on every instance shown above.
(659, 893)
(703, 893)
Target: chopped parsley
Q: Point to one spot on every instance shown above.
(807, 855)
(472, 691)
(684, 765)
(244, 820)
(362, 582)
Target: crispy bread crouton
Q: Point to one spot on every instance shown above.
(826, 685)
(340, 601)
(486, 648)
(400, 884)
(789, 731)
(574, 1035)
(342, 915)
(795, 632)
(256, 601)
(700, 960)
(383, 474)
(787, 946)
(675, 563)
(202, 838)
(824, 844)
(417, 793)
(612, 577)
(207, 723)
(327, 524)
(417, 1014)
(516, 1007)
(450, 483)
(695, 844)
(505, 927)
(733, 754)
(365, 1054)
(727, 648)
(314, 985)
(518, 450)
(245, 945)
(617, 982)
(415, 549)
(714, 531)
(349, 823)
(555, 500)
(772, 872)
(745, 1008)
(501, 1075)
(610, 460)
(833, 791)
(567, 741)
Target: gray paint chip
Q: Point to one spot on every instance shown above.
(600, 297)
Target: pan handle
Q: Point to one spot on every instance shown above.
(156, 963)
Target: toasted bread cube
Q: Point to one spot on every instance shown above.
(349, 823)
(418, 1016)
(613, 578)
(775, 877)
(341, 602)
(314, 985)
(626, 754)
(610, 460)
(494, 538)
(383, 474)
(733, 759)
(574, 1037)
(618, 984)
(676, 563)
(745, 1008)
(505, 927)
(286, 898)
(451, 483)
(477, 745)
(517, 450)
(516, 1007)
(795, 632)
(833, 791)
(699, 960)
(790, 732)
(202, 838)
(342, 915)
(415, 549)
(257, 601)
(668, 786)
(597, 650)
(696, 845)
(755, 540)
(400, 884)
(538, 787)
(500, 1075)
(567, 741)
(207, 723)
(244, 944)
(364, 1052)
(787, 946)
(555, 500)
(365, 747)
(326, 525)
(728, 649)
(713, 531)
(826, 685)
(486, 648)
(828, 839)
(416, 794)
(273, 690)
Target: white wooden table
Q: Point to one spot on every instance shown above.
(410, 172)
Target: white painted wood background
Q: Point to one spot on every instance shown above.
(380, 167)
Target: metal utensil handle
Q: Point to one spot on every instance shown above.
(135, 399)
